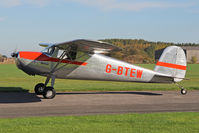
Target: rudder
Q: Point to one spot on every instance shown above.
(172, 63)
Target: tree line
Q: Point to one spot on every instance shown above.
(139, 50)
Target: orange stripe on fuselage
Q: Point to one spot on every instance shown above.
(39, 56)
(175, 66)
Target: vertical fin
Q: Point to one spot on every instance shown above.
(172, 63)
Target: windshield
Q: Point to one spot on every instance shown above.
(49, 50)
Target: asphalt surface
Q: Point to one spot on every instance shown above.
(87, 103)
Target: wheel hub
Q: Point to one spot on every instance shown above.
(40, 89)
(49, 93)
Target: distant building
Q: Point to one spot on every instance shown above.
(7, 61)
(190, 51)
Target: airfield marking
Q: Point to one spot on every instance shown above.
(88, 103)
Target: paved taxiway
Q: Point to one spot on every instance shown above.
(87, 103)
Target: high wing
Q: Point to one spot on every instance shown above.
(45, 45)
(89, 46)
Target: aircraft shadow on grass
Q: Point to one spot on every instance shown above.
(17, 95)
(111, 92)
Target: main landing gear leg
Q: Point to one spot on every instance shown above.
(48, 92)
(183, 90)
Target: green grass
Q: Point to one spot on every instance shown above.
(125, 123)
(13, 79)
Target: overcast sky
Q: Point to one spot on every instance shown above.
(25, 23)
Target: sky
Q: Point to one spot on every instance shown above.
(26, 23)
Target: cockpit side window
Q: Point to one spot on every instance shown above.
(60, 52)
(71, 53)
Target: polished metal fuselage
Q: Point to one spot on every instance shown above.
(99, 67)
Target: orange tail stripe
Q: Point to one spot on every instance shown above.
(175, 66)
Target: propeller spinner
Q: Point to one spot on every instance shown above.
(15, 54)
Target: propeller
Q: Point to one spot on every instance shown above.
(14, 54)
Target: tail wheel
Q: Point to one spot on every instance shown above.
(183, 91)
(49, 93)
(39, 88)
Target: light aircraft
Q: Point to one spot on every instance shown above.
(86, 60)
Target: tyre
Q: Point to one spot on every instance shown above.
(183, 91)
(39, 88)
(49, 93)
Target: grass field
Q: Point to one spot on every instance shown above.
(13, 79)
(125, 123)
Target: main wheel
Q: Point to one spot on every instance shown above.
(39, 88)
(49, 93)
(183, 91)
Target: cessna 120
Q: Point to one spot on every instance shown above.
(85, 59)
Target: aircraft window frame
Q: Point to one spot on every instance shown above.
(49, 50)
(79, 55)
(71, 53)
(60, 52)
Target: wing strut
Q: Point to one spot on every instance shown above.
(61, 59)
(68, 63)
(51, 76)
